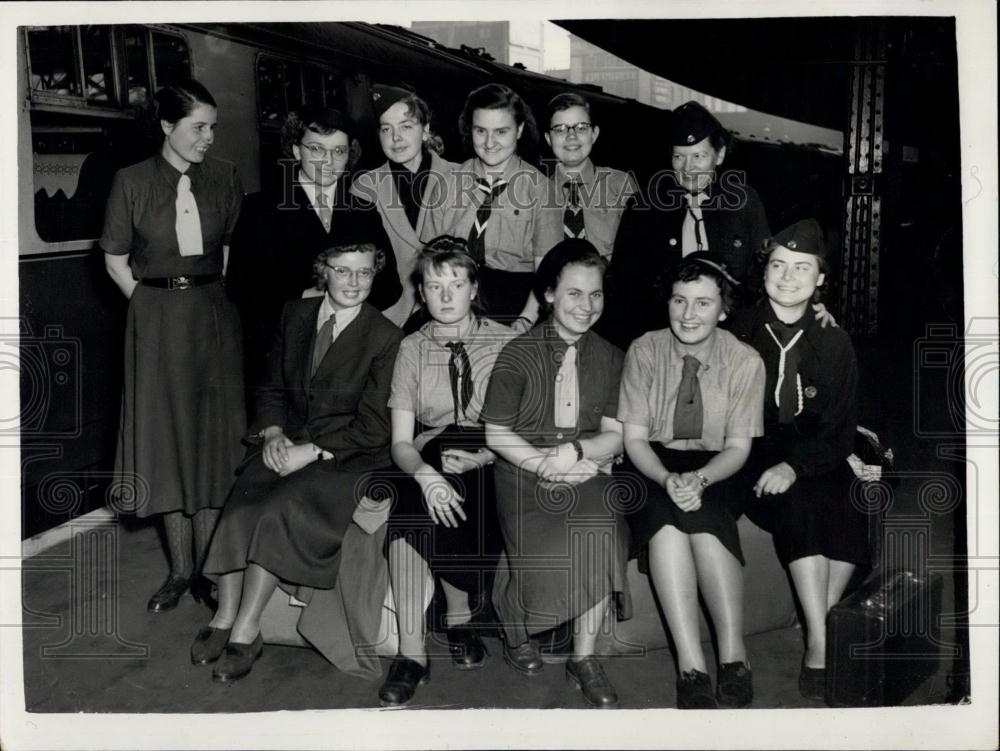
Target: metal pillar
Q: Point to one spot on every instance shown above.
(863, 208)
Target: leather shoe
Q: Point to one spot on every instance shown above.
(556, 644)
(237, 660)
(694, 691)
(734, 685)
(589, 677)
(467, 650)
(401, 683)
(167, 596)
(812, 683)
(209, 645)
(524, 658)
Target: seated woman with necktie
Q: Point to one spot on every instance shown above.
(691, 404)
(444, 520)
(799, 470)
(550, 417)
(321, 430)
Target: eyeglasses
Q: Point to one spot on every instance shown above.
(342, 273)
(320, 153)
(581, 129)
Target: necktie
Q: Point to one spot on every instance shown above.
(567, 391)
(324, 338)
(573, 216)
(188, 222)
(693, 235)
(477, 234)
(460, 395)
(788, 390)
(688, 410)
(324, 208)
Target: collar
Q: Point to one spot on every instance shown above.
(587, 174)
(514, 166)
(708, 356)
(173, 175)
(344, 317)
(400, 172)
(551, 337)
(431, 327)
(805, 322)
(309, 188)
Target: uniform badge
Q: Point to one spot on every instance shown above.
(792, 245)
(690, 138)
(376, 96)
(672, 241)
(737, 243)
(809, 391)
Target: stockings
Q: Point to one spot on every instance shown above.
(181, 532)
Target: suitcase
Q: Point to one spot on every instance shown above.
(882, 641)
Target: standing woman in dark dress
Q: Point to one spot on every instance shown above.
(550, 416)
(799, 470)
(400, 187)
(282, 228)
(444, 520)
(166, 231)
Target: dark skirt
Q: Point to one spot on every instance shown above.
(816, 516)
(504, 293)
(464, 556)
(183, 404)
(567, 549)
(292, 526)
(721, 503)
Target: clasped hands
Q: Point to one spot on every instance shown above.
(560, 465)
(684, 490)
(283, 456)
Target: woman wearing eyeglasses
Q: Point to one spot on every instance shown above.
(321, 430)
(581, 200)
(282, 229)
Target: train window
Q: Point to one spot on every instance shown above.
(137, 64)
(171, 59)
(52, 56)
(285, 85)
(98, 74)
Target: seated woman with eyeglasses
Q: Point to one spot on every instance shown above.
(307, 207)
(322, 429)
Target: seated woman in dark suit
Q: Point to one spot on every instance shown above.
(282, 228)
(324, 427)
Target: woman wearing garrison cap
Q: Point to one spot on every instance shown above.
(282, 228)
(694, 207)
(400, 187)
(798, 469)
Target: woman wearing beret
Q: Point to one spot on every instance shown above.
(282, 228)
(400, 188)
(444, 521)
(165, 238)
(691, 403)
(550, 418)
(799, 470)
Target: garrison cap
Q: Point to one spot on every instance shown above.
(691, 123)
(383, 97)
(804, 236)
(713, 261)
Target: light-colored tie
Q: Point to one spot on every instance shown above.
(693, 236)
(567, 391)
(188, 222)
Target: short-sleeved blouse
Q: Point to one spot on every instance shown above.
(731, 378)
(421, 379)
(521, 394)
(141, 214)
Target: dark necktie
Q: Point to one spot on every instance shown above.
(324, 338)
(573, 216)
(693, 229)
(688, 411)
(477, 234)
(459, 358)
(788, 390)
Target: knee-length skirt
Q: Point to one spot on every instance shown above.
(183, 412)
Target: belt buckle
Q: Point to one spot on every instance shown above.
(180, 282)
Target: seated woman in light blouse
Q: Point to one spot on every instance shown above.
(444, 518)
(691, 403)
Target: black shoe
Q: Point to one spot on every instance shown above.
(734, 685)
(694, 691)
(203, 591)
(812, 683)
(589, 677)
(237, 660)
(401, 683)
(167, 596)
(209, 645)
(556, 644)
(467, 650)
(524, 658)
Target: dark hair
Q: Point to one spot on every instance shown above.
(569, 252)
(496, 96)
(564, 101)
(334, 251)
(453, 252)
(689, 271)
(178, 100)
(323, 122)
(417, 108)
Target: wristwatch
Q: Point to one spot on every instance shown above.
(702, 479)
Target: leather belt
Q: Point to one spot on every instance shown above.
(182, 282)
